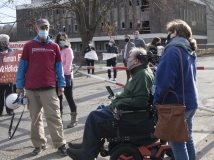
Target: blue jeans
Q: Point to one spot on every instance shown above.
(92, 131)
(186, 150)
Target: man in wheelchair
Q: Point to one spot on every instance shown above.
(135, 96)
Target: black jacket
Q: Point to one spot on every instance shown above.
(88, 49)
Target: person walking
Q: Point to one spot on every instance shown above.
(112, 48)
(5, 88)
(139, 42)
(67, 59)
(128, 46)
(39, 66)
(90, 61)
(169, 77)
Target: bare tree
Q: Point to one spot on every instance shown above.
(11, 30)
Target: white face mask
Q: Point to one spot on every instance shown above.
(110, 44)
(135, 36)
(90, 44)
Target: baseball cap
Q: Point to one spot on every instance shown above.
(42, 22)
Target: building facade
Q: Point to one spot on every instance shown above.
(149, 19)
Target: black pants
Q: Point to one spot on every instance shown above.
(111, 62)
(127, 71)
(68, 92)
(5, 90)
(90, 62)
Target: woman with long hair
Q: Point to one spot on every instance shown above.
(67, 59)
(169, 77)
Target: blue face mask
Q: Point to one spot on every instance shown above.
(62, 43)
(129, 65)
(43, 33)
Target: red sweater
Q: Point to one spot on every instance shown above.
(41, 60)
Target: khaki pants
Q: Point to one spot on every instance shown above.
(48, 101)
(128, 74)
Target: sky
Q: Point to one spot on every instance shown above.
(8, 10)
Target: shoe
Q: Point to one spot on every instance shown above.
(114, 79)
(74, 153)
(38, 150)
(109, 79)
(62, 150)
(74, 120)
(75, 145)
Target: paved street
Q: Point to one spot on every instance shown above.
(88, 94)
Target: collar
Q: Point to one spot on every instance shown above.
(139, 68)
(38, 40)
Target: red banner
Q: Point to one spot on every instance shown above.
(9, 66)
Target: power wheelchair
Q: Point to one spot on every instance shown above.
(133, 142)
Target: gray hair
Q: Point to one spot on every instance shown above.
(4, 37)
(140, 54)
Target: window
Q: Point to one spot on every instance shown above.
(130, 24)
(145, 5)
(80, 46)
(123, 25)
(130, 2)
(57, 11)
(145, 27)
(30, 32)
(137, 2)
(75, 27)
(63, 29)
(69, 28)
(99, 46)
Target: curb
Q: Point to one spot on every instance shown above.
(77, 75)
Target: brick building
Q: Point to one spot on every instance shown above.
(149, 19)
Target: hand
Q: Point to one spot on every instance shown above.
(116, 115)
(4, 52)
(20, 91)
(60, 91)
(102, 54)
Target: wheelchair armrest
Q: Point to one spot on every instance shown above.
(121, 112)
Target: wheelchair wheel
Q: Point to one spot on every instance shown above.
(126, 153)
(170, 154)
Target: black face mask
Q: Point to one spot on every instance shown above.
(126, 40)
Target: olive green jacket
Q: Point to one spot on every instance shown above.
(136, 94)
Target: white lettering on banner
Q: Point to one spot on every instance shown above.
(9, 59)
(10, 68)
(2, 69)
(19, 56)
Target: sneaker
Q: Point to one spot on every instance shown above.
(114, 79)
(62, 150)
(38, 150)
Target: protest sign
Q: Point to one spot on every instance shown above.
(9, 66)
(16, 46)
(107, 56)
(91, 55)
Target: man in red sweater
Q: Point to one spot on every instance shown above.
(39, 67)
